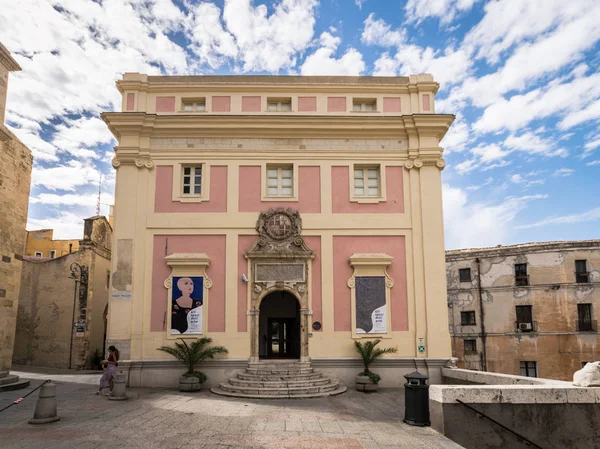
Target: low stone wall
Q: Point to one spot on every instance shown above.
(165, 373)
(549, 413)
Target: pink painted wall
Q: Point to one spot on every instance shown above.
(163, 200)
(343, 248)
(336, 104)
(341, 195)
(391, 104)
(221, 104)
(314, 243)
(250, 104)
(130, 102)
(426, 102)
(214, 247)
(307, 104)
(165, 104)
(244, 244)
(309, 185)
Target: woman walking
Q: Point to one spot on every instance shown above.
(107, 379)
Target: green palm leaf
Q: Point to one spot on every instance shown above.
(369, 352)
(191, 354)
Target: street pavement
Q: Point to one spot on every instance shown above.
(169, 419)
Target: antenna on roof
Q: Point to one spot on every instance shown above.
(99, 193)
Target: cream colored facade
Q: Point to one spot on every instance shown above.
(236, 140)
(544, 321)
(41, 244)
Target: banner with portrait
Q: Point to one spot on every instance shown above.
(187, 298)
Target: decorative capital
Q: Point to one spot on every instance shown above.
(409, 165)
(440, 163)
(418, 163)
(138, 162)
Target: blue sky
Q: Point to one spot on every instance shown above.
(523, 155)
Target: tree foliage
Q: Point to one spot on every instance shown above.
(369, 352)
(191, 354)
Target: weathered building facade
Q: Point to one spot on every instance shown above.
(40, 243)
(528, 309)
(63, 301)
(284, 217)
(15, 180)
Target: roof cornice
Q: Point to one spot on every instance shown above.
(7, 60)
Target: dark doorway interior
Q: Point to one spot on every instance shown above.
(279, 326)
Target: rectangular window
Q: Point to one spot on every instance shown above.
(371, 305)
(52, 254)
(364, 105)
(279, 104)
(192, 180)
(584, 314)
(107, 279)
(280, 181)
(470, 346)
(467, 318)
(524, 318)
(366, 181)
(198, 105)
(581, 272)
(529, 369)
(464, 274)
(521, 277)
(38, 254)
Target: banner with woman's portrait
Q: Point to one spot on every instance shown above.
(187, 297)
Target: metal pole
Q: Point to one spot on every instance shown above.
(484, 352)
(73, 323)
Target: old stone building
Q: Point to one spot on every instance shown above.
(528, 309)
(63, 301)
(40, 243)
(284, 217)
(15, 180)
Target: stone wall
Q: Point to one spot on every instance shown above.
(15, 179)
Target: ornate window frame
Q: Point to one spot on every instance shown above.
(370, 264)
(188, 264)
(178, 194)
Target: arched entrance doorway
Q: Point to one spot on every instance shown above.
(279, 326)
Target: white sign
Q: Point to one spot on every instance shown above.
(421, 345)
(121, 294)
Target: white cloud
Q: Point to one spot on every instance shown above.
(592, 163)
(531, 143)
(378, 32)
(562, 172)
(323, 61)
(591, 112)
(591, 215)
(67, 176)
(88, 199)
(359, 3)
(78, 137)
(66, 225)
(488, 224)
(270, 42)
(457, 136)
(445, 10)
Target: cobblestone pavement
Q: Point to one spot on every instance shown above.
(161, 418)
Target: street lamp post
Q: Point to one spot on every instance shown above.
(76, 274)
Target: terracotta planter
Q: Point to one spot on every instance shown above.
(189, 384)
(364, 383)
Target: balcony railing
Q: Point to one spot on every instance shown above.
(587, 326)
(526, 326)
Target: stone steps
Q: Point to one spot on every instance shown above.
(279, 380)
(9, 382)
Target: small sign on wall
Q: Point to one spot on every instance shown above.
(79, 332)
(121, 294)
(421, 345)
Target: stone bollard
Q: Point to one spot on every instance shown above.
(45, 408)
(119, 392)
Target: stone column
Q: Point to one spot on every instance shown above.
(304, 314)
(254, 337)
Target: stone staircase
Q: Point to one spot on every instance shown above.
(10, 382)
(280, 379)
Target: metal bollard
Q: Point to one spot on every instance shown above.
(416, 400)
(119, 392)
(45, 408)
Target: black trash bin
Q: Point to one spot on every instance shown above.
(416, 400)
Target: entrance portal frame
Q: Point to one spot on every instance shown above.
(279, 260)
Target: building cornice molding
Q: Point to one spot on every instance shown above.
(7, 60)
(252, 126)
(5, 135)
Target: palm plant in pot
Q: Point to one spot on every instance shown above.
(369, 352)
(190, 355)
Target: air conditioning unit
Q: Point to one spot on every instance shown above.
(525, 326)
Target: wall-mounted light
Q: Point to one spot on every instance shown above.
(244, 278)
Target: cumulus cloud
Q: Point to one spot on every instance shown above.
(324, 62)
(445, 10)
